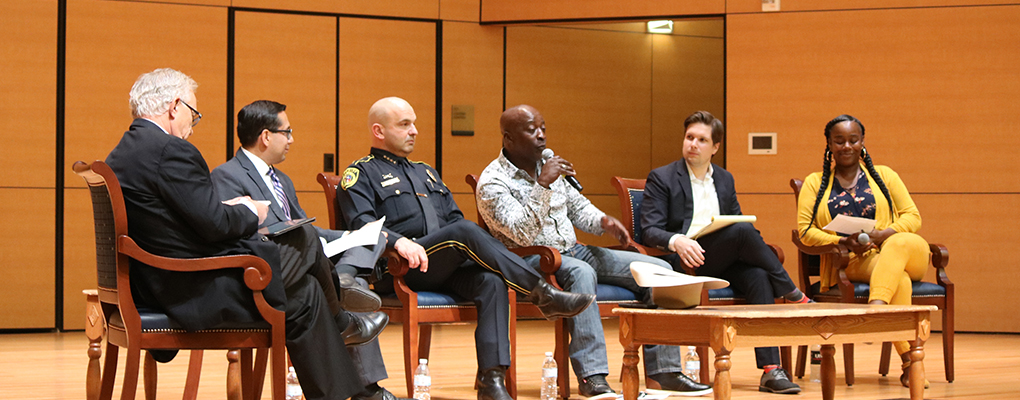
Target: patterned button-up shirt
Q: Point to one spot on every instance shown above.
(520, 212)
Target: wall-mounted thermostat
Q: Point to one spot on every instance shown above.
(761, 143)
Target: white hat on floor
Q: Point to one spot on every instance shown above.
(672, 289)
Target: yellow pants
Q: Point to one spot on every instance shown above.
(903, 258)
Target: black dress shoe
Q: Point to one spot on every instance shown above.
(355, 298)
(595, 387)
(378, 393)
(490, 384)
(555, 303)
(364, 327)
(676, 384)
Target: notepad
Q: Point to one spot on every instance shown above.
(282, 227)
(721, 221)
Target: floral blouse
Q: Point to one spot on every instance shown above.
(857, 201)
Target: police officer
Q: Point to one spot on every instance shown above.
(444, 251)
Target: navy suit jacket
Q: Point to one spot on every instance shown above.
(174, 211)
(238, 177)
(667, 207)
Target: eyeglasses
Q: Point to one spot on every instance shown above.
(195, 115)
(287, 132)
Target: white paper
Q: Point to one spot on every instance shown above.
(850, 225)
(366, 236)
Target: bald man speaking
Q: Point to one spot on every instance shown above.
(445, 251)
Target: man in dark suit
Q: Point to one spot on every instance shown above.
(174, 211)
(681, 198)
(265, 134)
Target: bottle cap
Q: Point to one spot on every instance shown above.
(548, 354)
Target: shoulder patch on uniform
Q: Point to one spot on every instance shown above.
(350, 178)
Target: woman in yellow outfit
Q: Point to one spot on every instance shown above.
(896, 255)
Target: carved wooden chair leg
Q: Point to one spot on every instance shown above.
(247, 380)
(131, 365)
(848, 363)
(786, 357)
(424, 342)
(802, 353)
(109, 371)
(883, 361)
(259, 372)
(234, 391)
(562, 358)
(150, 375)
(95, 327)
(194, 374)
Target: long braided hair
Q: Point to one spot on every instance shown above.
(827, 169)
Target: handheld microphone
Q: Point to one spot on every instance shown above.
(863, 238)
(547, 154)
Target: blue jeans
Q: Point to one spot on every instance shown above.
(583, 267)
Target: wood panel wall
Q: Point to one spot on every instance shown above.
(936, 78)
(27, 186)
(936, 89)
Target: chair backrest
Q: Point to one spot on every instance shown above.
(329, 184)
(630, 192)
(472, 180)
(110, 217)
(810, 265)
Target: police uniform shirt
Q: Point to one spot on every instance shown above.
(380, 185)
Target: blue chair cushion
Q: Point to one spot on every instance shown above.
(429, 300)
(154, 320)
(863, 290)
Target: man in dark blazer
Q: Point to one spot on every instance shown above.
(265, 134)
(174, 211)
(682, 197)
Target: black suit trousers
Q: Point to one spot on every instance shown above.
(739, 255)
(314, 340)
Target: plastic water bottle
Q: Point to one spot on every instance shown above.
(692, 364)
(293, 387)
(816, 363)
(422, 381)
(549, 375)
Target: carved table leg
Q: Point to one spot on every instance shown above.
(917, 371)
(828, 370)
(721, 387)
(630, 372)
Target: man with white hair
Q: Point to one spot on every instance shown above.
(174, 211)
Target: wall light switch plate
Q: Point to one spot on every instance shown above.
(770, 5)
(761, 143)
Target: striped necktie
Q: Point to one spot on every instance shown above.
(280, 196)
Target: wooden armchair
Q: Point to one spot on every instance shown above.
(631, 193)
(607, 297)
(940, 294)
(418, 311)
(113, 312)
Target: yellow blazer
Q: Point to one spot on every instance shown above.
(908, 219)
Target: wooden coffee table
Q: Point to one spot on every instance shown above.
(725, 327)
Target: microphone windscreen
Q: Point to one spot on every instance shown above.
(547, 154)
(863, 238)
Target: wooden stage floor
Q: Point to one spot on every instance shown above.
(52, 366)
